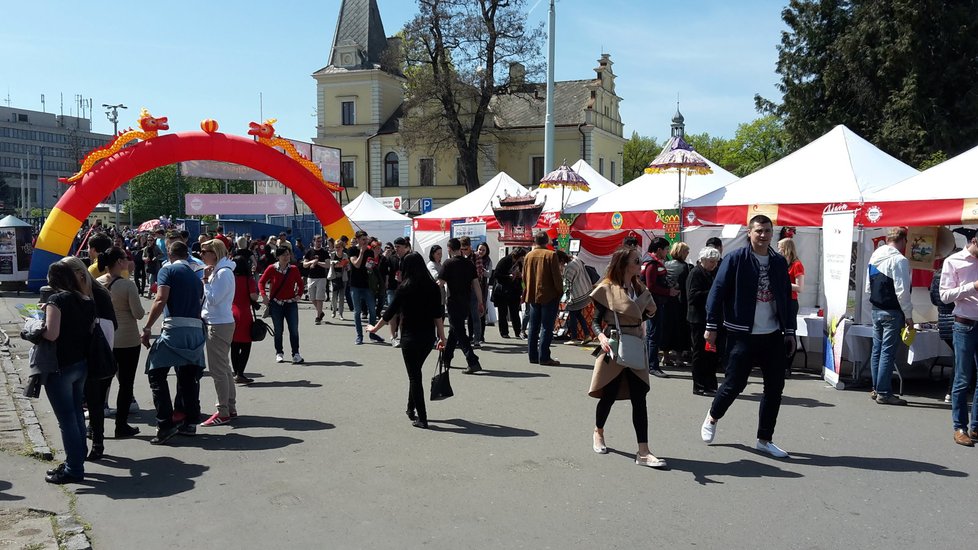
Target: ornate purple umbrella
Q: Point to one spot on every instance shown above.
(679, 156)
(564, 176)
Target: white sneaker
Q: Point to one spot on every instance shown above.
(279, 358)
(709, 430)
(396, 342)
(296, 358)
(771, 449)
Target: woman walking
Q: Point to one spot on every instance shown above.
(675, 329)
(282, 297)
(506, 292)
(339, 273)
(69, 318)
(697, 290)
(622, 301)
(245, 294)
(128, 310)
(218, 295)
(577, 293)
(483, 270)
(417, 301)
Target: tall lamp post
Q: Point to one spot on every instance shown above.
(112, 113)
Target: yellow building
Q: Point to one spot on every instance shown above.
(360, 98)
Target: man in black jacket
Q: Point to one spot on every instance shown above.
(753, 292)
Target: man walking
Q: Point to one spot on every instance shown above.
(888, 286)
(543, 287)
(458, 274)
(363, 262)
(656, 279)
(959, 284)
(316, 261)
(753, 293)
(181, 345)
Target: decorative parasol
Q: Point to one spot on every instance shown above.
(679, 156)
(564, 177)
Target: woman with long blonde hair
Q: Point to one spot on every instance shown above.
(622, 301)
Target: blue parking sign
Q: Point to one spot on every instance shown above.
(427, 205)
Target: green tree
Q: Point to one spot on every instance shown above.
(718, 149)
(457, 57)
(901, 73)
(757, 144)
(637, 153)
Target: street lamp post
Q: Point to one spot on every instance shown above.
(112, 113)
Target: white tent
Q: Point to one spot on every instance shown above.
(654, 192)
(952, 179)
(836, 170)
(368, 214)
(599, 186)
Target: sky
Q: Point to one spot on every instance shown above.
(236, 60)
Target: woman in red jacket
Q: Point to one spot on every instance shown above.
(282, 296)
(245, 292)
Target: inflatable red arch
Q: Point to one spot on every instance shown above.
(100, 180)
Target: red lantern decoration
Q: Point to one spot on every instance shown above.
(208, 125)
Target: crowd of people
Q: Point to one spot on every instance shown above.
(211, 295)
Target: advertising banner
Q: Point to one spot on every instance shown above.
(837, 233)
(199, 205)
(220, 171)
(476, 232)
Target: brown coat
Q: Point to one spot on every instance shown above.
(630, 312)
(541, 277)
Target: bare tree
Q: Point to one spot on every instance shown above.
(458, 55)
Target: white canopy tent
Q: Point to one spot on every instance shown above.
(834, 171)
(367, 213)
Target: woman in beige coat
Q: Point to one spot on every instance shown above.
(621, 292)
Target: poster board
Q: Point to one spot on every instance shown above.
(922, 247)
(837, 235)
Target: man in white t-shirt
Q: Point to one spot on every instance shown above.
(752, 293)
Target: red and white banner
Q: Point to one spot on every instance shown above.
(199, 205)
(798, 215)
(919, 213)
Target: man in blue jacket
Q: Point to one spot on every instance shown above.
(752, 293)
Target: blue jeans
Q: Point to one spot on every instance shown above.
(66, 391)
(361, 296)
(653, 333)
(576, 325)
(540, 331)
(886, 338)
(288, 312)
(965, 348)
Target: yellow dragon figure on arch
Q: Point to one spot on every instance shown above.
(266, 135)
(150, 127)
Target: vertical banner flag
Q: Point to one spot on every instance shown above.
(837, 232)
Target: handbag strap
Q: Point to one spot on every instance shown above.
(285, 277)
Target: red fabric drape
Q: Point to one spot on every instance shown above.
(601, 246)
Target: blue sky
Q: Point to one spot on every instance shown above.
(196, 60)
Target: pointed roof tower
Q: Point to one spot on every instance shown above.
(359, 41)
(678, 123)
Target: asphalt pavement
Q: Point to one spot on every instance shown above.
(323, 456)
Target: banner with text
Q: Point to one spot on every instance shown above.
(837, 232)
(199, 205)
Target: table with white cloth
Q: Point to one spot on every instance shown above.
(927, 344)
(810, 331)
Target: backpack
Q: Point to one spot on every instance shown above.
(592, 274)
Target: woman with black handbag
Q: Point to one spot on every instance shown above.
(418, 301)
(69, 316)
(622, 302)
(245, 296)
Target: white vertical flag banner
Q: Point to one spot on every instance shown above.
(837, 233)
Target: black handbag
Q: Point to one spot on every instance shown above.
(441, 384)
(259, 328)
(101, 359)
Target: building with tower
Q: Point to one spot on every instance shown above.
(360, 102)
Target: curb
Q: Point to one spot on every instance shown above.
(71, 535)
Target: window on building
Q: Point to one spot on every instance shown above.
(427, 169)
(349, 113)
(390, 170)
(601, 165)
(346, 174)
(21, 117)
(536, 170)
(459, 179)
(612, 178)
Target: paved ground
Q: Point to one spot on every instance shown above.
(323, 456)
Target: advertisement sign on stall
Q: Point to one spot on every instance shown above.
(476, 232)
(837, 232)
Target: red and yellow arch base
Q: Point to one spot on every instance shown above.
(100, 181)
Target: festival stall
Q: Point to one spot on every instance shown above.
(639, 207)
(367, 213)
(832, 173)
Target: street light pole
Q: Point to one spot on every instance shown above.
(112, 113)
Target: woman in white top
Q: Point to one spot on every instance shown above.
(217, 313)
